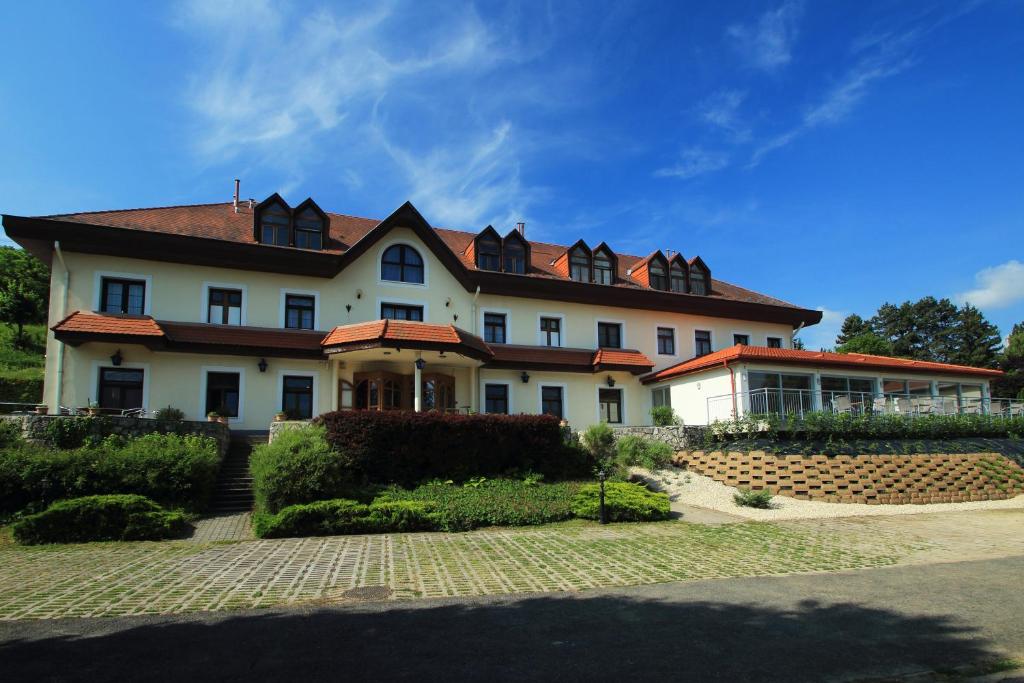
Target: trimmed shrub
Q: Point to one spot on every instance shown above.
(753, 499)
(663, 416)
(21, 386)
(624, 502)
(407, 448)
(10, 433)
(636, 451)
(299, 467)
(342, 516)
(170, 414)
(177, 471)
(100, 518)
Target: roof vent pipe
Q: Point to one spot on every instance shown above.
(521, 229)
(238, 184)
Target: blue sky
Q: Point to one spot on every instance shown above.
(837, 155)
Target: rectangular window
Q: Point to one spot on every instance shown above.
(120, 388)
(551, 331)
(610, 402)
(774, 342)
(123, 296)
(297, 397)
(701, 342)
(496, 398)
(401, 312)
(742, 339)
(666, 341)
(609, 335)
(225, 307)
(551, 401)
(661, 397)
(222, 393)
(299, 312)
(494, 328)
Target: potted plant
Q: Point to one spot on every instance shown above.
(94, 408)
(213, 416)
(42, 409)
(280, 417)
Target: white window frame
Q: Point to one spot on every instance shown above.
(780, 337)
(203, 371)
(693, 339)
(541, 337)
(483, 394)
(622, 331)
(675, 340)
(285, 291)
(733, 333)
(94, 381)
(97, 288)
(421, 249)
(597, 402)
(204, 302)
(299, 373)
(381, 300)
(565, 397)
(508, 323)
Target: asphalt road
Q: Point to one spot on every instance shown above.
(841, 626)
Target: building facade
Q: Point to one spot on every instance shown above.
(251, 309)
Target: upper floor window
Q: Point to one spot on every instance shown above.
(401, 312)
(123, 296)
(299, 312)
(579, 265)
(274, 221)
(656, 274)
(224, 306)
(494, 328)
(551, 331)
(401, 263)
(698, 281)
(515, 256)
(488, 253)
(677, 278)
(774, 342)
(666, 341)
(609, 335)
(603, 273)
(701, 342)
(742, 339)
(309, 230)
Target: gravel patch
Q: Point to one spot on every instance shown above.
(694, 489)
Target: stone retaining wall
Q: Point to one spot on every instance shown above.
(871, 479)
(679, 437)
(33, 427)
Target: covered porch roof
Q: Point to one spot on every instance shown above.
(399, 334)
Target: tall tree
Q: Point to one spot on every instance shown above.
(24, 289)
(853, 326)
(1011, 361)
(973, 341)
(866, 342)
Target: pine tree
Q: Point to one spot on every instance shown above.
(974, 341)
(853, 326)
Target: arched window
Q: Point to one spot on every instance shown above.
(603, 273)
(309, 230)
(656, 274)
(401, 263)
(515, 256)
(677, 278)
(488, 253)
(698, 280)
(579, 265)
(274, 221)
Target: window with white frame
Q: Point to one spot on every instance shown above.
(666, 341)
(701, 342)
(494, 328)
(224, 306)
(551, 331)
(609, 335)
(551, 401)
(119, 295)
(610, 405)
(496, 398)
(299, 312)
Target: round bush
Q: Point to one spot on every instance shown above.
(100, 518)
(298, 467)
(624, 502)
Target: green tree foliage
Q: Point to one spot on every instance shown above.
(853, 326)
(1011, 385)
(866, 342)
(24, 289)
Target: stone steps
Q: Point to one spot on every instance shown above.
(233, 491)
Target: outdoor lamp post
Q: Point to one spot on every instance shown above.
(601, 476)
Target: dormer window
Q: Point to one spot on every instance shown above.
(274, 222)
(515, 257)
(579, 265)
(488, 253)
(677, 278)
(698, 280)
(656, 274)
(309, 229)
(604, 272)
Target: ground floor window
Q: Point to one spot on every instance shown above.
(610, 402)
(222, 393)
(551, 401)
(496, 398)
(661, 397)
(297, 397)
(120, 388)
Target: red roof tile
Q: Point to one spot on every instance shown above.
(395, 332)
(821, 358)
(573, 360)
(109, 324)
(252, 337)
(629, 357)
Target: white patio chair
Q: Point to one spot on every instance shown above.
(903, 406)
(972, 409)
(880, 404)
(841, 404)
(922, 406)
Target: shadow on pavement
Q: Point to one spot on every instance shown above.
(539, 638)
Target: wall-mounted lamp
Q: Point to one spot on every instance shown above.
(359, 294)
(448, 302)
(525, 377)
(262, 365)
(420, 363)
(610, 381)
(117, 358)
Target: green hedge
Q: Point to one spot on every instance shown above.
(342, 516)
(624, 502)
(177, 471)
(21, 386)
(100, 518)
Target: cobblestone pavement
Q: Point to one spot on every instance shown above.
(233, 527)
(100, 579)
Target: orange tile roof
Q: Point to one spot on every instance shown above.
(574, 360)
(822, 358)
(109, 323)
(394, 332)
(605, 357)
(306, 341)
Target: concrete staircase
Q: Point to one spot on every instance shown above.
(233, 492)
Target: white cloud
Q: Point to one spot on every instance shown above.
(823, 335)
(693, 162)
(997, 287)
(721, 110)
(767, 44)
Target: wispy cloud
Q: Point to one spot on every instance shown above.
(695, 161)
(721, 110)
(996, 287)
(823, 335)
(767, 43)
